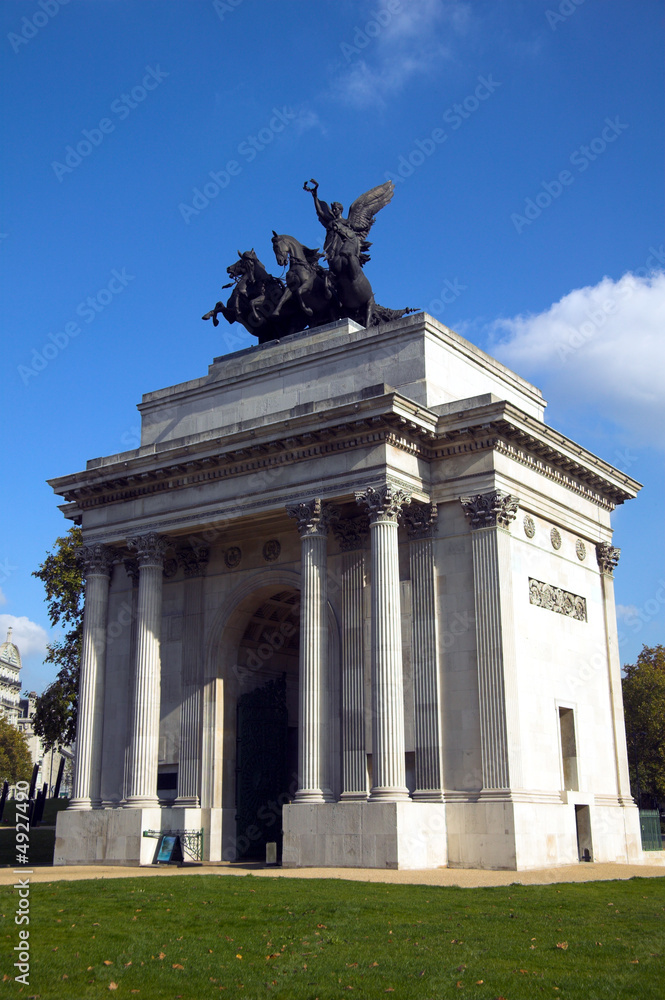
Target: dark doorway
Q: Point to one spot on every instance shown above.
(262, 769)
(583, 824)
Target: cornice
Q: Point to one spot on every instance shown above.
(388, 418)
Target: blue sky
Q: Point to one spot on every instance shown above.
(525, 141)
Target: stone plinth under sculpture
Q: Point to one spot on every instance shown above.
(351, 587)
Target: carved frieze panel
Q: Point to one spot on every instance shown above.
(544, 595)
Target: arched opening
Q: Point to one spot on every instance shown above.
(266, 722)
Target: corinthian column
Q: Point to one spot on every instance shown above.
(351, 534)
(144, 732)
(194, 562)
(96, 561)
(388, 763)
(420, 521)
(490, 515)
(608, 558)
(312, 519)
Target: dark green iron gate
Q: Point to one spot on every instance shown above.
(261, 769)
(650, 830)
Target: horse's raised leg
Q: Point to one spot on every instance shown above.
(368, 312)
(285, 298)
(219, 307)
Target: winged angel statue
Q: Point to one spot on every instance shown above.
(311, 295)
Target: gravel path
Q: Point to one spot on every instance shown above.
(465, 877)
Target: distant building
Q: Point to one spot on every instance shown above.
(10, 684)
(49, 760)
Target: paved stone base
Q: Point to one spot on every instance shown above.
(115, 836)
(364, 835)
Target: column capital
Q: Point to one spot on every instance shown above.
(351, 532)
(312, 516)
(95, 560)
(420, 519)
(608, 558)
(490, 510)
(193, 559)
(150, 549)
(383, 503)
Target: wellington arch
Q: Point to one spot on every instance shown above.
(351, 601)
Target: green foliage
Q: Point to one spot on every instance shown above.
(644, 708)
(55, 714)
(297, 938)
(15, 759)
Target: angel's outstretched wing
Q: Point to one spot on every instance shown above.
(364, 208)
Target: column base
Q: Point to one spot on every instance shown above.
(428, 795)
(306, 795)
(353, 797)
(386, 794)
(78, 805)
(141, 802)
(187, 801)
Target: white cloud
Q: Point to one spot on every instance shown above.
(599, 348)
(626, 611)
(386, 49)
(30, 638)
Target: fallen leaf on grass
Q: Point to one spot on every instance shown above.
(176, 966)
(107, 962)
(479, 982)
(460, 984)
(113, 986)
(162, 955)
(635, 961)
(127, 964)
(562, 944)
(238, 956)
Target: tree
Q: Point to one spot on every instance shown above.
(644, 708)
(56, 709)
(15, 759)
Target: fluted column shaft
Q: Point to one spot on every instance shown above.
(388, 748)
(86, 793)
(424, 642)
(608, 557)
(490, 515)
(189, 767)
(312, 724)
(144, 731)
(354, 756)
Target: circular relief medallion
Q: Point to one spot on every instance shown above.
(555, 538)
(271, 550)
(580, 549)
(232, 556)
(529, 526)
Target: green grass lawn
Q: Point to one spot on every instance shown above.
(195, 937)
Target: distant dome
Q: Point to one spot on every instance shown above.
(9, 653)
